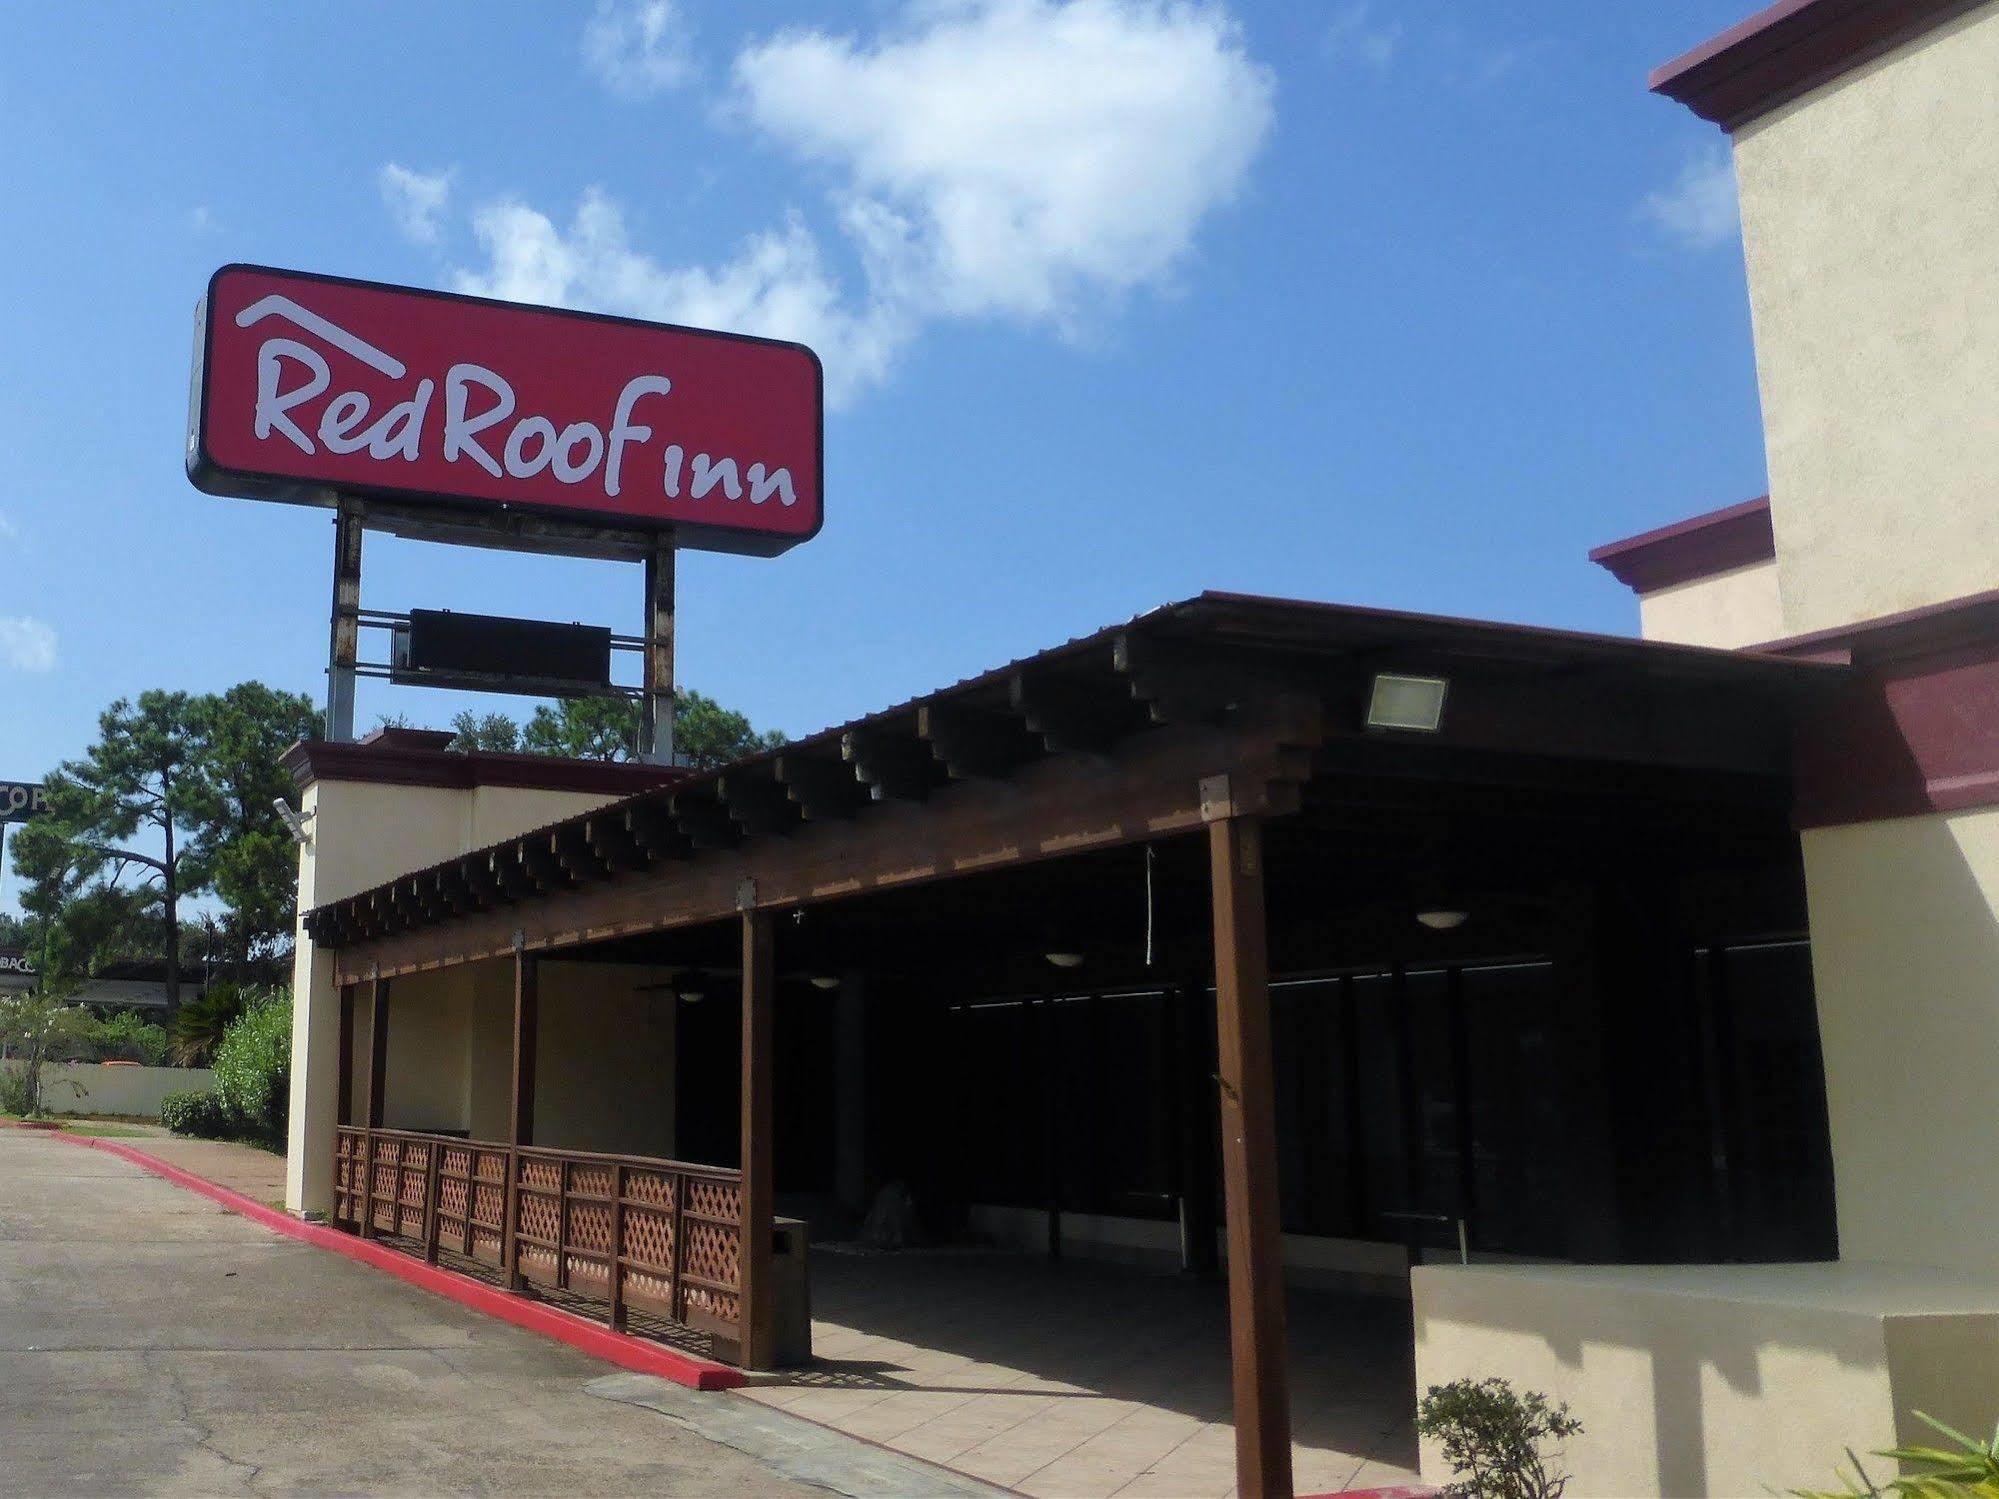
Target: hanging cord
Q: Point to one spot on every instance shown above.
(1151, 854)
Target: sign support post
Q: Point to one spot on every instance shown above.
(656, 705)
(344, 642)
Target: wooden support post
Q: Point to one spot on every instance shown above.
(1195, 1093)
(343, 1102)
(520, 1109)
(759, 1031)
(433, 1157)
(378, 1052)
(371, 1116)
(614, 1290)
(1249, 1158)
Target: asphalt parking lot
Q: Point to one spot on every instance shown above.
(151, 1342)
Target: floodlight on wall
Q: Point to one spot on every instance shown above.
(824, 981)
(690, 987)
(1064, 959)
(1399, 702)
(1443, 920)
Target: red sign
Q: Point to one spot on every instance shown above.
(309, 387)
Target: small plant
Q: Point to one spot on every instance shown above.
(189, 1112)
(1493, 1438)
(1969, 1469)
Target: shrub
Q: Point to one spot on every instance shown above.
(202, 1022)
(189, 1112)
(1492, 1438)
(253, 1067)
(1967, 1469)
(124, 1036)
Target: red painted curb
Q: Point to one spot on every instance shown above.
(617, 1348)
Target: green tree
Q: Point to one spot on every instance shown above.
(485, 731)
(585, 728)
(705, 734)
(239, 842)
(132, 784)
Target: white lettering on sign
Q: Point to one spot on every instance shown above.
(14, 962)
(20, 800)
(479, 424)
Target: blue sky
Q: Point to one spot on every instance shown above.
(1403, 304)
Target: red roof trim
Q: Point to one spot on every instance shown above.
(1788, 50)
(404, 764)
(1698, 547)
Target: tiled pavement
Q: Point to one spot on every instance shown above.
(1086, 1381)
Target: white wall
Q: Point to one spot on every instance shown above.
(113, 1090)
(1871, 231)
(364, 833)
(1727, 610)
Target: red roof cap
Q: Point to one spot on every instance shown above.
(1790, 49)
(1698, 547)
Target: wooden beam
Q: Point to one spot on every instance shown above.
(1147, 788)
(756, 802)
(893, 767)
(704, 820)
(1247, 1079)
(527, 1016)
(344, 1098)
(822, 789)
(1068, 715)
(971, 743)
(378, 1052)
(758, 1326)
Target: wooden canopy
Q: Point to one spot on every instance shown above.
(1117, 737)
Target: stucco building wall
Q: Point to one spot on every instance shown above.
(1726, 610)
(365, 832)
(1871, 232)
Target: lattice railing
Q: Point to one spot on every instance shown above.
(633, 1232)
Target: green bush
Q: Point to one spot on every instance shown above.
(124, 1036)
(192, 1113)
(1493, 1438)
(253, 1067)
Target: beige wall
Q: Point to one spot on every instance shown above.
(1871, 230)
(1905, 956)
(91, 1088)
(1736, 608)
(1716, 1380)
(362, 834)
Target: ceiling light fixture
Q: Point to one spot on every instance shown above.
(1065, 959)
(1413, 703)
(1443, 921)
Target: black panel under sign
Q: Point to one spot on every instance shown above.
(441, 646)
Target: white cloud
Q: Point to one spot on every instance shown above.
(1356, 34)
(1025, 159)
(8, 530)
(200, 218)
(416, 200)
(1021, 157)
(775, 285)
(1699, 209)
(26, 644)
(637, 48)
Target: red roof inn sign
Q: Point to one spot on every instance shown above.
(311, 387)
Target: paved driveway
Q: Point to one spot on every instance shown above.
(152, 1342)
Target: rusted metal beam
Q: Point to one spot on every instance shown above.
(1247, 1080)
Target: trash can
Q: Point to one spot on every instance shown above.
(791, 1291)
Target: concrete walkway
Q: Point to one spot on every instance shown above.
(153, 1343)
